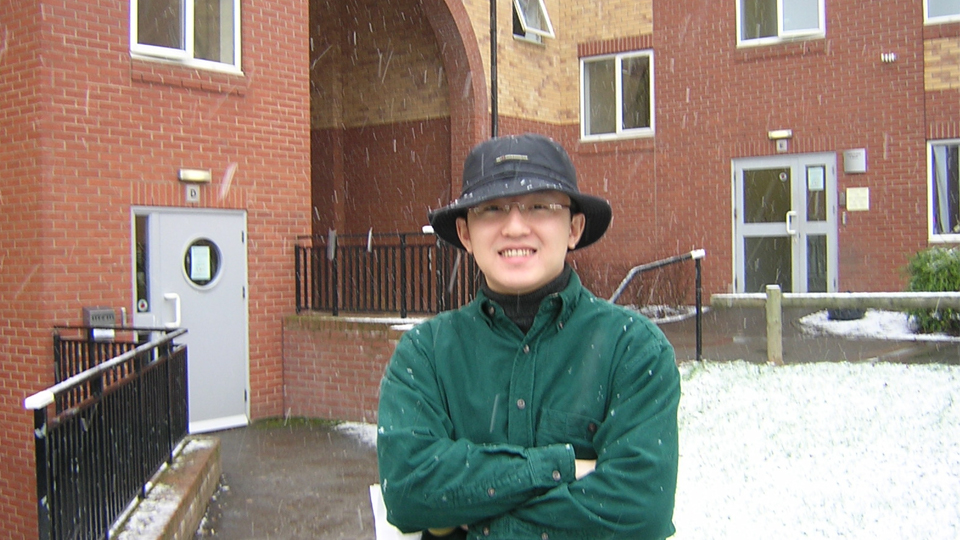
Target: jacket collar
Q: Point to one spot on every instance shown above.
(554, 308)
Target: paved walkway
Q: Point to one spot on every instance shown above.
(310, 481)
(299, 480)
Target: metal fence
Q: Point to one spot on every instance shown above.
(382, 273)
(102, 433)
(695, 255)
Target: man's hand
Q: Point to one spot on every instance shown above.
(584, 467)
(447, 533)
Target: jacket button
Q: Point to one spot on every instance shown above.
(491, 310)
(491, 492)
(521, 404)
(560, 325)
(486, 531)
(526, 349)
(556, 476)
(544, 536)
(592, 428)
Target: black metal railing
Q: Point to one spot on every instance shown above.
(78, 348)
(695, 256)
(103, 432)
(382, 273)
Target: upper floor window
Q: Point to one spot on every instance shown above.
(201, 33)
(943, 167)
(771, 21)
(531, 21)
(940, 11)
(616, 95)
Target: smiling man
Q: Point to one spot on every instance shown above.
(538, 410)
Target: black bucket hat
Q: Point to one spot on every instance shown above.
(518, 165)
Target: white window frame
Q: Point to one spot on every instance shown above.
(927, 19)
(783, 35)
(620, 132)
(185, 56)
(931, 214)
(544, 17)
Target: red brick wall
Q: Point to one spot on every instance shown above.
(716, 103)
(96, 132)
(24, 345)
(332, 367)
(398, 172)
(326, 177)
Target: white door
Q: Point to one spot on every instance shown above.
(191, 272)
(785, 223)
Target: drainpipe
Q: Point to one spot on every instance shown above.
(493, 68)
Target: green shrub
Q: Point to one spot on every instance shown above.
(935, 270)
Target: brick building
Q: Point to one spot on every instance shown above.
(132, 138)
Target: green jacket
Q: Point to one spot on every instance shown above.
(479, 424)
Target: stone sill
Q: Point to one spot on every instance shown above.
(178, 496)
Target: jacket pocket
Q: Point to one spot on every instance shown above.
(562, 427)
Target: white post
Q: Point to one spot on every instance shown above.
(774, 325)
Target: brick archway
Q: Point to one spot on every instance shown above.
(398, 98)
(466, 79)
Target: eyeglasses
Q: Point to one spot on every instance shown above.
(531, 211)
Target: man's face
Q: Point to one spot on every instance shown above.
(521, 251)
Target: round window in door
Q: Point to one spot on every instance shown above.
(201, 262)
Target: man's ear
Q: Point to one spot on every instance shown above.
(463, 232)
(578, 222)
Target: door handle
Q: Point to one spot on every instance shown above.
(791, 222)
(175, 323)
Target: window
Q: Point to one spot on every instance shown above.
(940, 11)
(530, 20)
(944, 172)
(771, 21)
(616, 95)
(201, 33)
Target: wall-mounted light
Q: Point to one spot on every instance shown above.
(197, 176)
(779, 134)
(888, 57)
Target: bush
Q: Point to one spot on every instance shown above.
(935, 270)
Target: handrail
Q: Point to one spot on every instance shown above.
(113, 425)
(694, 255)
(46, 397)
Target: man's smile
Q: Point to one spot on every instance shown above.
(517, 252)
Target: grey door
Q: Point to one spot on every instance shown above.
(191, 272)
(785, 223)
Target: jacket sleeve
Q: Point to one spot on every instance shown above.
(427, 478)
(631, 493)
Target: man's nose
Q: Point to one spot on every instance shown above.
(516, 222)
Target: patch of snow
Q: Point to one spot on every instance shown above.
(661, 314)
(828, 450)
(875, 324)
(148, 517)
(151, 515)
(366, 433)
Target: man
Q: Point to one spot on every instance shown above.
(538, 410)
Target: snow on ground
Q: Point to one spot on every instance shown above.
(825, 450)
(874, 325)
